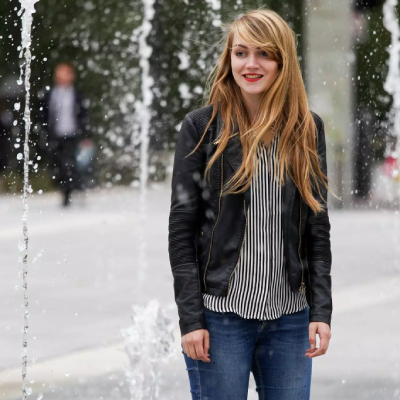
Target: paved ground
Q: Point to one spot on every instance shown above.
(88, 265)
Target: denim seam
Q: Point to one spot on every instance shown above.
(260, 377)
(198, 378)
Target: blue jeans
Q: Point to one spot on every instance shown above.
(274, 351)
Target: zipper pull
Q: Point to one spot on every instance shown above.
(302, 286)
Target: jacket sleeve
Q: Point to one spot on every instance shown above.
(183, 223)
(319, 254)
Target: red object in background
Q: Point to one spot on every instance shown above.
(390, 167)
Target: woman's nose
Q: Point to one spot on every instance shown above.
(252, 61)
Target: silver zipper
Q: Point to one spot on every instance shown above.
(302, 286)
(219, 210)
(240, 254)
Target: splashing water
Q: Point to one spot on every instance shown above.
(143, 106)
(148, 342)
(26, 11)
(142, 122)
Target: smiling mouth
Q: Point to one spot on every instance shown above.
(252, 77)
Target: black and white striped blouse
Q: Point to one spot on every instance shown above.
(260, 284)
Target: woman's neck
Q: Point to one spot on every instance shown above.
(251, 102)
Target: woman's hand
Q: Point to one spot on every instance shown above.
(324, 332)
(196, 344)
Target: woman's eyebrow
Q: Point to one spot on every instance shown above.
(245, 47)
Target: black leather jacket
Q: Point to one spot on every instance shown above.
(206, 230)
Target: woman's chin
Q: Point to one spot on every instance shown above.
(254, 91)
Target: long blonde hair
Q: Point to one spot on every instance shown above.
(284, 108)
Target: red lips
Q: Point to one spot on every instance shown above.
(252, 79)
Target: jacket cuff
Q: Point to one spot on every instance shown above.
(320, 318)
(193, 326)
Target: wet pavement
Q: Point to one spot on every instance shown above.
(85, 274)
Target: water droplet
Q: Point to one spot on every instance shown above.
(40, 396)
(17, 106)
(67, 374)
(19, 156)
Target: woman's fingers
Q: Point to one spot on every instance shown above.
(201, 355)
(206, 342)
(192, 352)
(312, 331)
(323, 347)
(324, 333)
(184, 347)
(196, 345)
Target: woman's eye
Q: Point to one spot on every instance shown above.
(242, 53)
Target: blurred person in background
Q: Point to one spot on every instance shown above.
(249, 231)
(65, 121)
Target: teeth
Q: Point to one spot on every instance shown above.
(253, 76)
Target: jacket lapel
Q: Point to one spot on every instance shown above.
(233, 150)
(288, 192)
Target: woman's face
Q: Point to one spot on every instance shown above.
(252, 69)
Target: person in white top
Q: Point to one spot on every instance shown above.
(65, 123)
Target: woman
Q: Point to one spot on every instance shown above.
(249, 232)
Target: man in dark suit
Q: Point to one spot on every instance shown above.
(65, 115)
